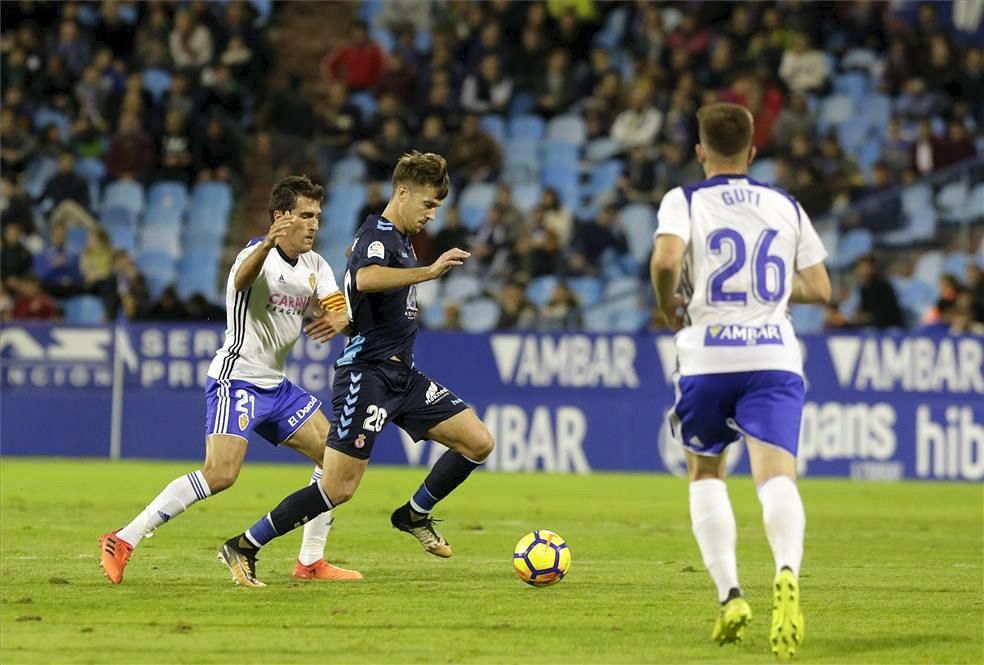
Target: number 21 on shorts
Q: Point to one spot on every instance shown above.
(245, 407)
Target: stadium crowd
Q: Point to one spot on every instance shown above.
(563, 122)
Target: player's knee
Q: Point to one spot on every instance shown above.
(482, 445)
(220, 478)
(338, 492)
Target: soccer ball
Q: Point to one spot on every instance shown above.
(541, 558)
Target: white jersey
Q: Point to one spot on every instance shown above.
(263, 322)
(745, 241)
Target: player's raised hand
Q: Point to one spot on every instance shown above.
(327, 326)
(447, 260)
(278, 230)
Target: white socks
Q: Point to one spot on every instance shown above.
(785, 521)
(174, 500)
(714, 528)
(315, 531)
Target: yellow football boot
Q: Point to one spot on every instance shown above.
(788, 629)
(730, 626)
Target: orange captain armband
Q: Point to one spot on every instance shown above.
(333, 303)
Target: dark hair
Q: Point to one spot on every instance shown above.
(285, 193)
(426, 169)
(725, 129)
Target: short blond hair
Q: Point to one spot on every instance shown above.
(425, 169)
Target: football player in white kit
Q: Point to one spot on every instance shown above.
(740, 251)
(273, 283)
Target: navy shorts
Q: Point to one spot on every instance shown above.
(238, 407)
(367, 396)
(715, 410)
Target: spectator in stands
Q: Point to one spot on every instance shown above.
(812, 192)
(433, 136)
(794, 119)
(562, 311)
(339, 122)
(594, 239)
(637, 184)
(897, 150)
(928, 150)
(690, 36)
(398, 78)
(57, 268)
(487, 90)
(71, 47)
(452, 317)
(18, 144)
(66, 184)
(217, 153)
(511, 214)
(31, 302)
(198, 308)
(167, 308)
(957, 146)
(240, 59)
(358, 62)
(639, 124)
(555, 89)
(882, 210)
(176, 162)
(222, 93)
(131, 287)
(677, 167)
(383, 151)
(15, 205)
(647, 37)
(556, 216)
(969, 85)
(152, 37)
(840, 170)
(527, 64)
(493, 243)
(917, 102)
(546, 254)
(474, 156)
(112, 31)
(375, 202)
(96, 264)
(452, 234)
(290, 118)
(879, 305)
(180, 98)
(92, 96)
(516, 312)
(131, 153)
(489, 42)
(975, 286)
(87, 139)
(190, 43)
(15, 258)
(804, 69)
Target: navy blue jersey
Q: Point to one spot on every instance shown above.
(384, 324)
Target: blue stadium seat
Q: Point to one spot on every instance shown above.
(213, 195)
(163, 216)
(76, 238)
(567, 129)
(423, 41)
(473, 204)
(952, 200)
(914, 295)
(264, 10)
(158, 268)
(602, 149)
(867, 154)
(852, 84)
(621, 288)
(522, 103)
(955, 263)
(853, 245)
(852, 135)
(212, 221)
(527, 195)
(834, 110)
(84, 310)
(44, 117)
(522, 162)
(348, 169)
(37, 175)
(587, 289)
(639, 222)
(168, 193)
(366, 103)
(528, 127)
(383, 37)
(124, 194)
(479, 316)
(560, 153)
(494, 126)
(539, 290)
(163, 239)
(763, 170)
(916, 197)
(461, 286)
(597, 318)
(808, 319)
(433, 316)
(118, 218)
(91, 168)
(610, 36)
(929, 267)
(157, 82)
(974, 209)
(345, 200)
(123, 237)
(604, 177)
(627, 317)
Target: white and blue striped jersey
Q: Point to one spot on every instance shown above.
(264, 322)
(745, 241)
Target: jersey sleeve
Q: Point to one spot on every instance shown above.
(674, 215)
(244, 254)
(809, 249)
(374, 248)
(326, 289)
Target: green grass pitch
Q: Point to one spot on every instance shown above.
(893, 573)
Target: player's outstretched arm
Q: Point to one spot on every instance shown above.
(250, 268)
(811, 286)
(372, 279)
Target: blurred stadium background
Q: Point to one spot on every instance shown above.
(140, 141)
(138, 145)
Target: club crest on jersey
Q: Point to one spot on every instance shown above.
(735, 335)
(312, 280)
(243, 421)
(360, 441)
